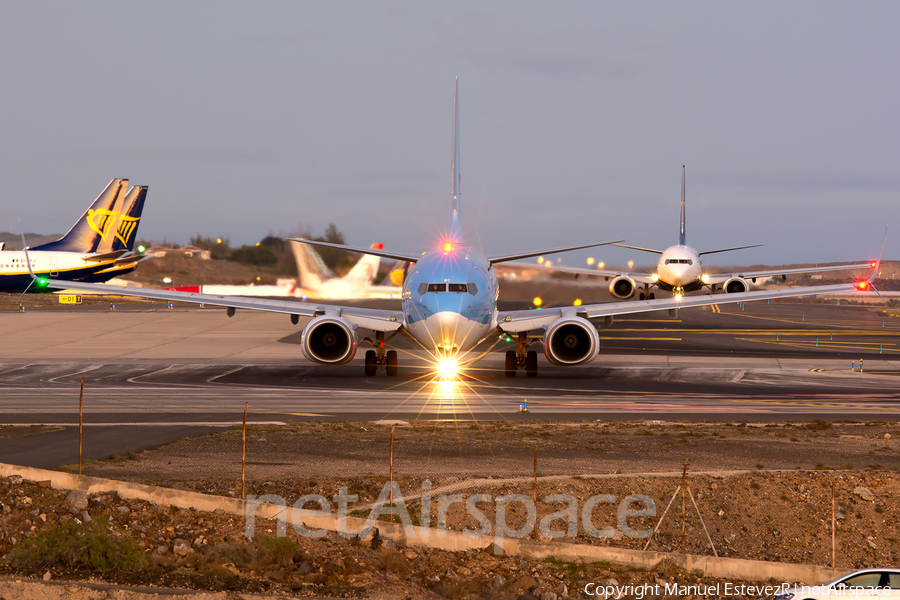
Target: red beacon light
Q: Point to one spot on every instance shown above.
(862, 285)
(873, 264)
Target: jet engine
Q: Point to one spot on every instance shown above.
(329, 340)
(571, 341)
(736, 285)
(622, 287)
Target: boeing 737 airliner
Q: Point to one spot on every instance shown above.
(449, 306)
(98, 247)
(680, 270)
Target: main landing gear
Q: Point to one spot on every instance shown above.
(379, 358)
(647, 294)
(521, 359)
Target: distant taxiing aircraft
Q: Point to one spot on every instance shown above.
(98, 247)
(680, 270)
(449, 306)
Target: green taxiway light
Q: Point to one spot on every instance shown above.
(141, 249)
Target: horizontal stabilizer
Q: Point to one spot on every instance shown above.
(105, 256)
(509, 257)
(371, 251)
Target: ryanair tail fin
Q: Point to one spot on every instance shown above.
(127, 226)
(88, 232)
(682, 238)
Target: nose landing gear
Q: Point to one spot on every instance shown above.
(521, 358)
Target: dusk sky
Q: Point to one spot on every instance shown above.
(251, 118)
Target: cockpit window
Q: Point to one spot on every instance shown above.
(437, 287)
(454, 288)
(473, 289)
(679, 261)
(459, 288)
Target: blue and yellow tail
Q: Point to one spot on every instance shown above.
(100, 220)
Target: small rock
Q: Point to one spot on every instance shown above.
(887, 436)
(26, 501)
(549, 596)
(231, 494)
(410, 555)
(181, 547)
(162, 549)
(6, 508)
(562, 590)
(714, 486)
(721, 513)
(434, 579)
(46, 576)
(77, 499)
(864, 493)
(495, 549)
(305, 568)
(526, 583)
(499, 581)
(839, 516)
(15, 479)
(871, 544)
(123, 510)
(49, 483)
(85, 516)
(390, 544)
(219, 511)
(42, 517)
(607, 582)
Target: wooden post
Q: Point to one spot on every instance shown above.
(833, 481)
(244, 454)
(80, 424)
(534, 493)
(392, 473)
(683, 524)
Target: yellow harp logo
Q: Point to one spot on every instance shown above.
(110, 222)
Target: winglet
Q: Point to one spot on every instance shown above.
(34, 278)
(877, 264)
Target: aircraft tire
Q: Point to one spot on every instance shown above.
(641, 297)
(511, 359)
(371, 363)
(652, 296)
(390, 361)
(531, 364)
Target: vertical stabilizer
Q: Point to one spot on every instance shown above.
(132, 207)
(94, 225)
(455, 177)
(366, 268)
(313, 271)
(682, 241)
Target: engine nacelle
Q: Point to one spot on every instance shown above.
(736, 285)
(571, 341)
(622, 287)
(329, 340)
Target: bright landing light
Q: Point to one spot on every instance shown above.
(447, 368)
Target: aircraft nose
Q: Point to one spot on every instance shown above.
(448, 322)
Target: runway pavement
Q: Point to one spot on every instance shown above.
(154, 375)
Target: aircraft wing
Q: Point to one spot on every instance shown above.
(637, 277)
(367, 318)
(528, 320)
(722, 277)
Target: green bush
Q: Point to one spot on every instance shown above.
(278, 550)
(76, 546)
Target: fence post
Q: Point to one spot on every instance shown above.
(683, 523)
(244, 454)
(833, 482)
(534, 494)
(392, 473)
(80, 424)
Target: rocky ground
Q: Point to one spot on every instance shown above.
(191, 550)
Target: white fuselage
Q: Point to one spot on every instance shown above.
(679, 267)
(449, 300)
(14, 273)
